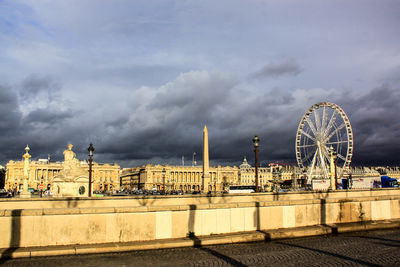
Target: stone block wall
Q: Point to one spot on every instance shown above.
(79, 224)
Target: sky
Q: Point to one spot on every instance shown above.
(140, 79)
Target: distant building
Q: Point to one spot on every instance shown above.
(284, 175)
(204, 178)
(247, 175)
(189, 178)
(129, 178)
(363, 172)
(182, 178)
(393, 172)
(105, 176)
(2, 176)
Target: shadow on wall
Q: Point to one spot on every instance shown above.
(192, 214)
(275, 196)
(191, 232)
(71, 202)
(323, 212)
(145, 200)
(212, 197)
(15, 236)
(197, 241)
(257, 221)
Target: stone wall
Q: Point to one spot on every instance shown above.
(90, 221)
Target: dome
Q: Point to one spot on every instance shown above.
(244, 164)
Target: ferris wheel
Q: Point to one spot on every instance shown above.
(323, 128)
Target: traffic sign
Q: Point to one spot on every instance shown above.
(41, 186)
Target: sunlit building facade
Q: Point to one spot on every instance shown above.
(189, 178)
(106, 177)
(180, 178)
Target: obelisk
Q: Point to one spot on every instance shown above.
(25, 193)
(206, 164)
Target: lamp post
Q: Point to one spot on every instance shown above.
(41, 187)
(256, 143)
(163, 174)
(90, 149)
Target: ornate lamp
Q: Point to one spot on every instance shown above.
(90, 149)
(256, 143)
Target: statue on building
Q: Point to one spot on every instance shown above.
(71, 166)
(69, 155)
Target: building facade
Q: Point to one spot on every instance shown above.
(42, 171)
(189, 178)
(2, 176)
(179, 178)
(282, 175)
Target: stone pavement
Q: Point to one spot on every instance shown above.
(368, 248)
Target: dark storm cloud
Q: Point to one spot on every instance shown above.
(35, 85)
(374, 117)
(175, 116)
(275, 70)
(376, 125)
(194, 96)
(47, 116)
(23, 121)
(189, 87)
(9, 112)
(165, 125)
(162, 124)
(10, 123)
(167, 122)
(170, 121)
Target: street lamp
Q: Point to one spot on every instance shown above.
(163, 174)
(90, 149)
(41, 187)
(256, 143)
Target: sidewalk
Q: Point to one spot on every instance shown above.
(199, 241)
